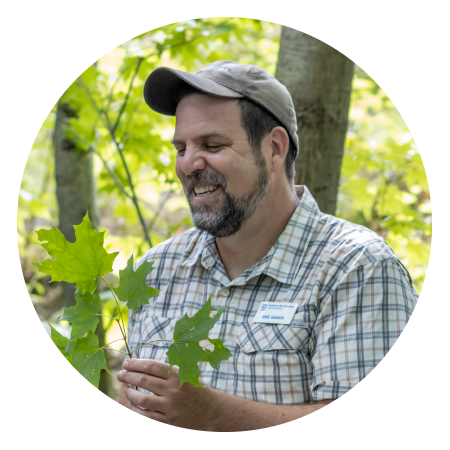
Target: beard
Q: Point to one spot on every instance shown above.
(233, 212)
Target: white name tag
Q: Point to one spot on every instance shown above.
(274, 312)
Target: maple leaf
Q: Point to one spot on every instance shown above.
(191, 344)
(81, 262)
(84, 315)
(62, 343)
(87, 358)
(133, 288)
(59, 340)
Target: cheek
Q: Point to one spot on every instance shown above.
(241, 180)
(178, 170)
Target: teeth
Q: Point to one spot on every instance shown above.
(205, 189)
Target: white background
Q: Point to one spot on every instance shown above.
(403, 45)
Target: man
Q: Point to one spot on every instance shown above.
(258, 240)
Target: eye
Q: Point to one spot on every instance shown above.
(212, 147)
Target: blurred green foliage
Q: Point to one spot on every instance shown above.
(383, 183)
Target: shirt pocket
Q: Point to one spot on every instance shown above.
(266, 337)
(272, 363)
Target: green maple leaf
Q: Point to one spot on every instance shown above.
(191, 344)
(70, 349)
(87, 358)
(61, 343)
(132, 288)
(59, 340)
(84, 315)
(81, 262)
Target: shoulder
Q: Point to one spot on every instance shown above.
(354, 256)
(356, 260)
(344, 248)
(350, 244)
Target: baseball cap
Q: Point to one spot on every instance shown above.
(224, 79)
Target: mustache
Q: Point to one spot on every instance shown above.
(202, 179)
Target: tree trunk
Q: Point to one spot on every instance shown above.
(75, 192)
(319, 79)
(75, 185)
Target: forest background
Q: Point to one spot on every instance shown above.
(382, 182)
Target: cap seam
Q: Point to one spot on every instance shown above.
(249, 81)
(222, 84)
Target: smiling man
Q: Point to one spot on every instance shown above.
(259, 243)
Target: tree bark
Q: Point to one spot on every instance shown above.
(75, 192)
(319, 79)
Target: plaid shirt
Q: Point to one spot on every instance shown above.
(354, 296)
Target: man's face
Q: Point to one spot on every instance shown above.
(223, 179)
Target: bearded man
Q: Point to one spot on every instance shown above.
(258, 240)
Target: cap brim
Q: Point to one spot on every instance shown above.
(163, 84)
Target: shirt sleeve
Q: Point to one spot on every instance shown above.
(358, 322)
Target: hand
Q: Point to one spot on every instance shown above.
(187, 407)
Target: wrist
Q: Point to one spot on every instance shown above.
(216, 409)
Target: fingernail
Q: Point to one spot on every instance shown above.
(119, 374)
(125, 364)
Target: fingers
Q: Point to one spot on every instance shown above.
(150, 414)
(150, 366)
(146, 401)
(148, 382)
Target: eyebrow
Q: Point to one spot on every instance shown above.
(202, 137)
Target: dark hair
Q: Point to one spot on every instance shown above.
(257, 123)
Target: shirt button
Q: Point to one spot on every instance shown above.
(225, 292)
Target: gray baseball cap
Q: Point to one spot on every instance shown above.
(224, 79)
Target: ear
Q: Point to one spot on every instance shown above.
(280, 147)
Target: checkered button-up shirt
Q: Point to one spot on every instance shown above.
(354, 297)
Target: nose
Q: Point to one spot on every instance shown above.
(191, 161)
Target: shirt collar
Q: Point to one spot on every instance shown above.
(205, 245)
(283, 260)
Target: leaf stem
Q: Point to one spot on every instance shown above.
(112, 342)
(122, 327)
(103, 315)
(152, 342)
(113, 349)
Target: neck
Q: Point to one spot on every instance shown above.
(250, 244)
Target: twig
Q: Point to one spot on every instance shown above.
(108, 126)
(134, 198)
(160, 207)
(92, 149)
(127, 96)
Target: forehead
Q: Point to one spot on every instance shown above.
(200, 111)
